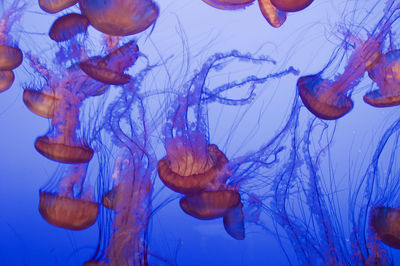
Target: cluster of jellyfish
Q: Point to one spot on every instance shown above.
(120, 134)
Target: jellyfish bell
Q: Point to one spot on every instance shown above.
(321, 99)
(387, 76)
(40, 102)
(229, 4)
(66, 212)
(274, 16)
(291, 5)
(208, 205)
(110, 69)
(234, 222)
(68, 205)
(67, 26)
(385, 222)
(6, 79)
(10, 57)
(59, 151)
(120, 17)
(183, 172)
(54, 6)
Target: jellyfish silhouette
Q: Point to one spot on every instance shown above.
(120, 17)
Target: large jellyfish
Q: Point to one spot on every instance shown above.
(120, 17)
(193, 166)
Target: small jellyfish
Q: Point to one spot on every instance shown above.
(110, 69)
(67, 26)
(120, 17)
(229, 4)
(291, 5)
(386, 74)
(274, 16)
(210, 204)
(54, 6)
(385, 222)
(40, 102)
(69, 207)
(6, 79)
(10, 57)
(111, 199)
(234, 222)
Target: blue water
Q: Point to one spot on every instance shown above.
(187, 33)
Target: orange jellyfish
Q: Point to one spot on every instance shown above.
(385, 222)
(120, 17)
(329, 99)
(229, 4)
(71, 207)
(191, 165)
(110, 69)
(210, 204)
(291, 5)
(6, 79)
(54, 6)
(386, 74)
(67, 26)
(274, 16)
(10, 57)
(63, 144)
(10, 54)
(40, 102)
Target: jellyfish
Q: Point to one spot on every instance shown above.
(54, 6)
(67, 26)
(385, 74)
(274, 16)
(61, 100)
(10, 55)
(229, 4)
(291, 5)
(119, 17)
(6, 79)
(195, 167)
(385, 222)
(110, 69)
(71, 206)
